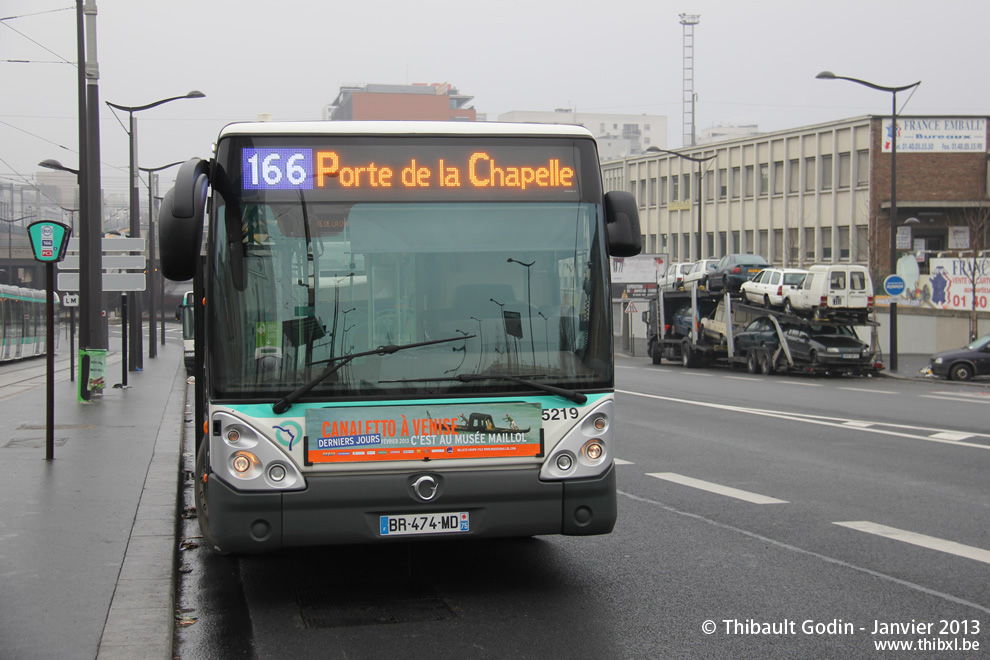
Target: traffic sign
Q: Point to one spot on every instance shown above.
(70, 300)
(48, 240)
(111, 282)
(894, 285)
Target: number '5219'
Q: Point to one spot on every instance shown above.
(559, 414)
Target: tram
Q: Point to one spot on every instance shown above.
(22, 333)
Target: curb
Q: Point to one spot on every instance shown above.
(141, 619)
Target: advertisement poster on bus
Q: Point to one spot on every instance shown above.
(418, 433)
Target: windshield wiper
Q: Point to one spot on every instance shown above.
(340, 361)
(576, 397)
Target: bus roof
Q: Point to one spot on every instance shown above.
(420, 128)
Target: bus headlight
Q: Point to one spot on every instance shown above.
(248, 459)
(583, 452)
(245, 465)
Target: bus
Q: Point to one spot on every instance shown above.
(403, 330)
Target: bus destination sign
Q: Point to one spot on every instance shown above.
(379, 172)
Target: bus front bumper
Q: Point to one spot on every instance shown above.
(346, 509)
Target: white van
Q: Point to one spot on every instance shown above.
(834, 289)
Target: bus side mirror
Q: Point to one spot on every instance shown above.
(180, 222)
(622, 224)
(646, 317)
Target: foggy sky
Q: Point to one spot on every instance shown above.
(755, 62)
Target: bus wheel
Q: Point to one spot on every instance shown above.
(202, 510)
(752, 363)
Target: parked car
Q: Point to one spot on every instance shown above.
(714, 326)
(827, 347)
(833, 289)
(673, 279)
(699, 273)
(772, 286)
(962, 363)
(734, 269)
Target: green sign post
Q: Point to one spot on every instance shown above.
(48, 243)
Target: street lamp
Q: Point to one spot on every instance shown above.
(152, 349)
(136, 360)
(699, 161)
(529, 305)
(828, 75)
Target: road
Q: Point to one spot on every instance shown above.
(758, 517)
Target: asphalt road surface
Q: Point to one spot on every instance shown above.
(759, 517)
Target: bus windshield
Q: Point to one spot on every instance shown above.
(303, 278)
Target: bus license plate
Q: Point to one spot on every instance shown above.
(428, 523)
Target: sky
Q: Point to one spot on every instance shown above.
(755, 63)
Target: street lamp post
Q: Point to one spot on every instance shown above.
(828, 75)
(529, 304)
(152, 339)
(136, 360)
(699, 161)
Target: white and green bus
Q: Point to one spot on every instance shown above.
(405, 333)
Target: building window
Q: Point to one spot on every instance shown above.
(748, 183)
(686, 245)
(862, 243)
(794, 176)
(663, 191)
(602, 128)
(646, 127)
(750, 245)
(809, 244)
(827, 172)
(642, 193)
(778, 245)
(663, 243)
(710, 243)
(710, 186)
(736, 248)
(673, 249)
(686, 187)
(764, 248)
(632, 187)
(675, 188)
(862, 168)
(793, 249)
(734, 183)
(764, 179)
(845, 173)
(651, 192)
(843, 243)
(809, 174)
(721, 183)
(722, 245)
(778, 177)
(826, 244)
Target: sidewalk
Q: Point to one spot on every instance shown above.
(87, 540)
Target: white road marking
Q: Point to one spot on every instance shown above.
(954, 436)
(619, 461)
(810, 553)
(718, 489)
(798, 382)
(743, 378)
(930, 542)
(864, 389)
(897, 430)
(953, 398)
